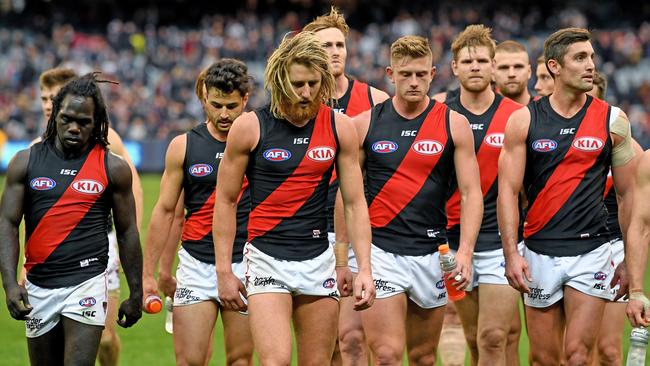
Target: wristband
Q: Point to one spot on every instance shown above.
(341, 253)
(640, 296)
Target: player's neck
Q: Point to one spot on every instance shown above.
(214, 132)
(567, 102)
(523, 98)
(477, 102)
(71, 153)
(410, 110)
(342, 84)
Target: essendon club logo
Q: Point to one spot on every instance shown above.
(42, 183)
(88, 302)
(494, 139)
(544, 145)
(588, 144)
(200, 170)
(427, 147)
(320, 153)
(276, 155)
(384, 147)
(88, 186)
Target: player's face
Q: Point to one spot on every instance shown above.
(512, 72)
(412, 77)
(306, 83)
(47, 96)
(545, 83)
(222, 108)
(75, 122)
(334, 43)
(578, 67)
(474, 68)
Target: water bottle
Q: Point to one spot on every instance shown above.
(448, 264)
(152, 304)
(169, 308)
(638, 345)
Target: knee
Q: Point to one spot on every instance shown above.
(542, 358)
(492, 338)
(274, 361)
(351, 340)
(386, 355)
(427, 358)
(109, 341)
(610, 354)
(243, 357)
(577, 354)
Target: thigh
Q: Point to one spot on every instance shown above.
(385, 324)
(315, 323)
(583, 317)
(112, 308)
(423, 328)
(193, 325)
(196, 281)
(545, 328)
(237, 337)
(498, 305)
(47, 349)
(349, 319)
(81, 342)
(270, 323)
(467, 310)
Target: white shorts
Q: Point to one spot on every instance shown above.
(489, 267)
(314, 277)
(420, 277)
(352, 260)
(618, 254)
(113, 266)
(587, 273)
(196, 281)
(85, 303)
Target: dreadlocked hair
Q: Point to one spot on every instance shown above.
(84, 86)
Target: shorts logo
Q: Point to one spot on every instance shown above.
(381, 285)
(200, 170)
(537, 293)
(264, 281)
(494, 139)
(88, 186)
(329, 283)
(503, 264)
(588, 144)
(276, 155)
(427, 147)
(34, 324)
(184, 294)
(600, 276)
(544, 145)
(42, 183)
(88, 302)
(320, 153)
(384, 147)
(440, 284)
(600, 286)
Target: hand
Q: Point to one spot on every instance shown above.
(230, 288)
(18, 302)
(637, 309)
(464, 269)
(364, 291)
(517, 273)
(149, 287)
(130, 312)
(620, 278)
(167, 284)
(344, 280)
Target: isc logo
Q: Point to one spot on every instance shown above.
(88, 186)
(588, 144)
(200, 170)
(276, 155)
(42, 184)
(87, 302)
(494, 139)
(384, 147)
(427, 147)
(544, 145)
(320, 153)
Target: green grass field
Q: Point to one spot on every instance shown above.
(146, 343)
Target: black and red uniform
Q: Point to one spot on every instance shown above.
(357, 99)
(612, 210)
(289, 172)
(409, 163)
(567, 161)
(67, 203)
(488, 129)
(203, 154)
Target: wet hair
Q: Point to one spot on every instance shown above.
(84, 86)
(410, 46)
(555, 46)
(333, 19)
(475, 35)
(55, 77)
(600, 82)
(226, 75)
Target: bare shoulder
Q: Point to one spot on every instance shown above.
(519, 122)
(245, 131)
(17, 168)
(118, 169)
(440, 97)
(378, 96)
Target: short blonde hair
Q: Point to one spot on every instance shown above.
(56, 77)
(304, 49)
(410, 46)
(334, 19)
(475, 35)
(600, 82)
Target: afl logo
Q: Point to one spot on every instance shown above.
(329, 283)
(427, 147)
(588, 144)
(384, 147)
(494, 139)
(88, 302)
(600, 276)
(88, 186)
(544, 145)
(440, 284)
(200, 170)
(276, 155)
(42, 183)
(320, 153)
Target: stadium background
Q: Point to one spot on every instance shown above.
(156, 49)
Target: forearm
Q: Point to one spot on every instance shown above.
(223, 231)
(508, 217)
(137, 196)
(131, 258)
(471, 216)
(9, 251)
(169, 253)
(356, 218)
(157, 237)
(636, 253)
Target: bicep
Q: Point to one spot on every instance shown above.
(464, 155)
(347, 160)
(512, 159)
(11, 207)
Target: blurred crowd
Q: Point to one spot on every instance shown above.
(156, 65)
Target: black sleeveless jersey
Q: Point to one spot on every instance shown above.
(203, 154)
(66, 208)
(488, 130)
(408, 168)
(567, 160)
(289, 172)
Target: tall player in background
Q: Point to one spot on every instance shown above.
(50, 82)
(512, 71)
(191, 167)
(352, 98)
